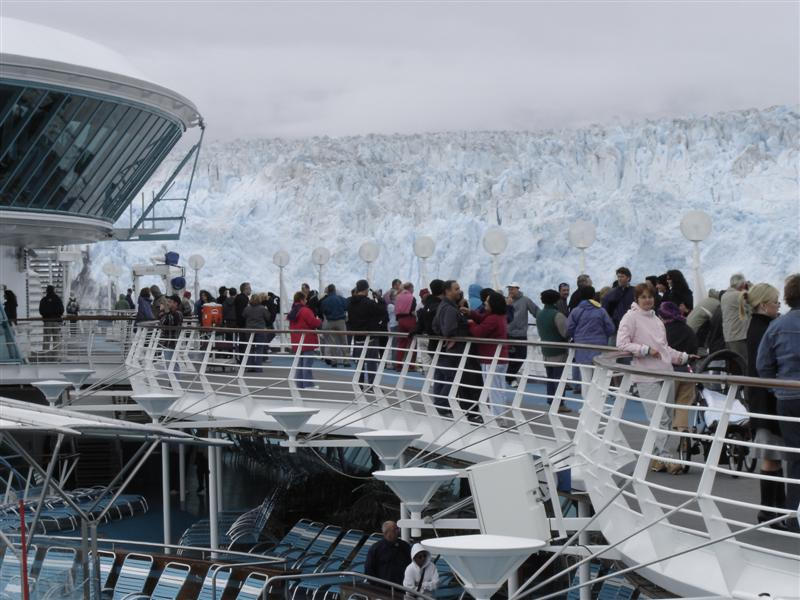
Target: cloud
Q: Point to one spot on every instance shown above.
(278, 69)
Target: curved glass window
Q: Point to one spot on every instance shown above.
(76, 153)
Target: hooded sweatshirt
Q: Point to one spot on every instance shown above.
(639, 331)
(303, 318)
(474, 291)
(424, 578)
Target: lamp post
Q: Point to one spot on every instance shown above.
(695, 227)
(581, 236)
(495, 241)
(368, 252)
(112, 271)
(424, 246)
(156, 405)
(196, 262)
(320, 257)
(280, 259)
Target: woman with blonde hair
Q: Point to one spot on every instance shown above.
(760, 304)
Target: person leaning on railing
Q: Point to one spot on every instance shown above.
(643, 334)
(779, 358)
(760, 304)
(171, 322)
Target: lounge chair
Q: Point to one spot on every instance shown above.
(253, 587)
(223, 574)
(132, 575)
(57, 573)
(10, 583)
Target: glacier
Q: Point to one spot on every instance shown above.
(633, 181)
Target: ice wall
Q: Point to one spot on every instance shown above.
(634, 182)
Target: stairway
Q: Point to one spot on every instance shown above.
(42, 269)
(100, 461)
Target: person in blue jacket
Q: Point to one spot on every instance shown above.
(779, 358)
(588, 323)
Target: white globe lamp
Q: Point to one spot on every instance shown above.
(424, 247)
(368, 252)
(581, 235)
(696, 227)
(495, 242)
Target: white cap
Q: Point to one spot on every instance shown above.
(513, 284)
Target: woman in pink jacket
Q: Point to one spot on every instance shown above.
(303, 318)
(643, 334)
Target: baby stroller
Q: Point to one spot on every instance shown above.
(709, 402)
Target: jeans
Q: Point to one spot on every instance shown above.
(168, 354)
(791, 437)
(553, 373)
(258, 349)
(304, 376)
(370, 358)
(443, 376)
(517, 353)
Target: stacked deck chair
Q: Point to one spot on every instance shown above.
(335, 560)
(327, 588)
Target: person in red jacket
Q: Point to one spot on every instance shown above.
(492, 324)
(301, 320)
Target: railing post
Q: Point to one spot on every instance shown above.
(729, 556)
(292, 377)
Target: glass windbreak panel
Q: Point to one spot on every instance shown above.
(75, 153)
(9, 350)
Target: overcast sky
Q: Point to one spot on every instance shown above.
(299, 69)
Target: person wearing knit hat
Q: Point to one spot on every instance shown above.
(552, 327)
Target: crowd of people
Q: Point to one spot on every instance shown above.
(656, 321)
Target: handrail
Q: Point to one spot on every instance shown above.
(609, 361)
(353, 574)
(383, 334)
(113, 541)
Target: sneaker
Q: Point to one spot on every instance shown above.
(312, 387)
(657, 466)
(563, 409)
(513, 383)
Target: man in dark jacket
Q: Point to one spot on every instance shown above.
(426, 314)
(449, 322)
(51, 308)
(129, 299)
(389, 557)
(366, 314)
(619, 299)
(240, 302)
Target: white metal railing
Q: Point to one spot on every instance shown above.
(84, 339)
(470, 413)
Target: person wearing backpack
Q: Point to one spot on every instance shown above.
(421, 573)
